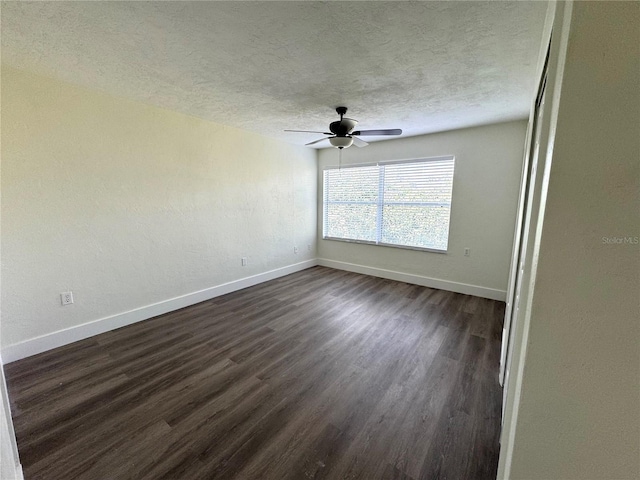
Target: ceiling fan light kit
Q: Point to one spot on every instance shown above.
(341, 142)
(343, 135)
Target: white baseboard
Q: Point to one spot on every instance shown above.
(53, 340)
(450, 286)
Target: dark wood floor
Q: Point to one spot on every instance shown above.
(320, 374)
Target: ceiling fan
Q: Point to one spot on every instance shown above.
(342, 134)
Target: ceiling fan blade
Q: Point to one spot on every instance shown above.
(309, 131)
(316, 141)
(359, 142)
(389, 131)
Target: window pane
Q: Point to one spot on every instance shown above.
(415, 226)
(404, 203)
(350, 203)
(417, 203)
(352, 184)
(352, 221)
(419, 182)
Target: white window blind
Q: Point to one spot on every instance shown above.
(404, 203)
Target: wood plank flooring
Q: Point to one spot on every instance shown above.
(322, 374)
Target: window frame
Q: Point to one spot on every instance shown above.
(378, 223)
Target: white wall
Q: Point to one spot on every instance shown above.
(576, 411)
(484, 204)
(128, 205)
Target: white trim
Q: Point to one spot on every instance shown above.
(467, 289)
(59, 338)
(542, 72)
(53, 340)
(9, 435)
(517, 355)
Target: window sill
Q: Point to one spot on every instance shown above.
(404, 247)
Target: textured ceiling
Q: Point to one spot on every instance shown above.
(268, 66)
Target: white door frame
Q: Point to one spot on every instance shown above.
(525, 182)
(559, 18)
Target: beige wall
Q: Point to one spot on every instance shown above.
(578, 413)
(485, 199)
(127, 205)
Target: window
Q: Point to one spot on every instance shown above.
(404, 203)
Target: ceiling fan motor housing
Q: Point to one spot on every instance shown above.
(343, 127)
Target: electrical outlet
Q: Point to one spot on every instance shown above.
(66, 298)
(467, 252)
(244, 261)
(295, 250)
(309, 248)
